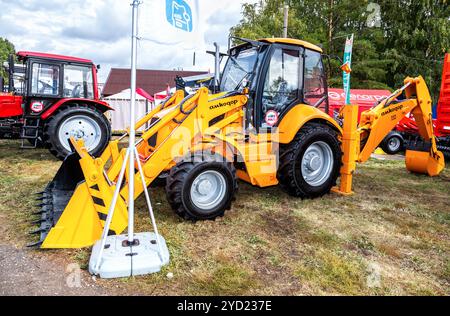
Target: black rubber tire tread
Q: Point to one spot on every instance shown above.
(385, 143)
(177, 184)
(51, 125)
(292, 181)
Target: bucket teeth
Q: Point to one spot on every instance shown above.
(54, 198)
(35, 244)
(42, 204)
(37, 231)
(45, 220)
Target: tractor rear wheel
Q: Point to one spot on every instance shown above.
(201, 187)
(310, 164)
(82, 122)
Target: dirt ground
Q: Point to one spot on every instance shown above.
(391, 237)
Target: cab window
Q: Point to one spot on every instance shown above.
(78, 82)
(45, 79)
(281, 86)
(314, 88)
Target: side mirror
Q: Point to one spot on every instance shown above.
(98, 67)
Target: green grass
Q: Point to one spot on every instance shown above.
(270, 243)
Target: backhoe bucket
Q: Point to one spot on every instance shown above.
(424, 162)
(74, 207)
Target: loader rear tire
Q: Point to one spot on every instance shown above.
(201, 187)
(309, 165)
(75, 114)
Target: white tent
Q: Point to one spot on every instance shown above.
(120, 102)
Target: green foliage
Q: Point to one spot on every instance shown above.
(403, 38)
(6, 48)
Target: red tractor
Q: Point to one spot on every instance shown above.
(50, 98)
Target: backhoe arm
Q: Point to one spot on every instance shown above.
(359, 141)
(377, 122)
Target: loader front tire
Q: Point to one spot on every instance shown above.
(201, 187)
(309, 165)
(80, 121)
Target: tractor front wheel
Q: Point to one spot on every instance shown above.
(81, 122)
(201, 187)
(310, 164)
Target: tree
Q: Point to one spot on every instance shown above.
(6, 48)
(417, 35)
(393, 38)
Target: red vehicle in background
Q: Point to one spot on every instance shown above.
(50, 98)
(406, 134)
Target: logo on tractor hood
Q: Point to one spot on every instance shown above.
(36, 106)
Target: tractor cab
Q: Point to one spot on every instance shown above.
(279, 73)
(57, 76)
(39, 80)
(50, 98)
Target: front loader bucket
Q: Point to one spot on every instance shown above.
(57, 194)
(75, 205)
(424, 162)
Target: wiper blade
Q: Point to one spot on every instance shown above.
(238, 65)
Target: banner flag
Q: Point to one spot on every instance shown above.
(172, 22)
(348, 64)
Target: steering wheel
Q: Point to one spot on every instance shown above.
(280, 97)
(44, 86)
(76, 91)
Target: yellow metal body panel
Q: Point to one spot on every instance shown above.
(298, 116)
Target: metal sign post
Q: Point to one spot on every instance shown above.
(133, 253)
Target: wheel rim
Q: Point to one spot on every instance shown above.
(317, 163)
(394, 143)
(208, 189)
(80, 127)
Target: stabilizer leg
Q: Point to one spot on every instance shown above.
(350, 149)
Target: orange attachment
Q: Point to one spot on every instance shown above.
(346, 68)
(424, 162)
(350, 149)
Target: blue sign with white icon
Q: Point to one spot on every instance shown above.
(179, 14)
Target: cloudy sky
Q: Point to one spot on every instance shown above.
(100, 30)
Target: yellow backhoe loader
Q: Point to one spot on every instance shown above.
(262, 124)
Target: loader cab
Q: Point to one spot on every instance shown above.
(279, 73)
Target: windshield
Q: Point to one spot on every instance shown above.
(238, 68)
(78, 82)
